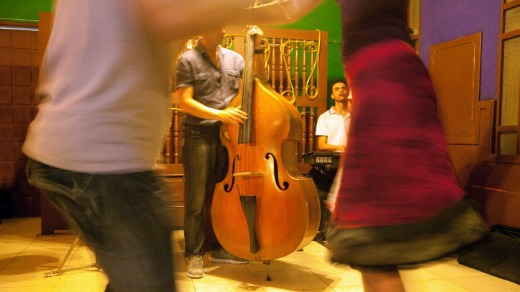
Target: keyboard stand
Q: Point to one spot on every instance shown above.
(60, 270)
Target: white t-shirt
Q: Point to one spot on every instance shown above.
(104, 92)
(334, 126)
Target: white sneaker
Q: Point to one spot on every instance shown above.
(223, 256)
(195, 267)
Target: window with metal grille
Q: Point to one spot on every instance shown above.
(508, 118)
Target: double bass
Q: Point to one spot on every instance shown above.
(264, 208)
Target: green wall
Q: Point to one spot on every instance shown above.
(326, 17)
(23, 10)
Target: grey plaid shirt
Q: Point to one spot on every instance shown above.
(213, 87)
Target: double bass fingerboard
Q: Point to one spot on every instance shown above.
(245, 132)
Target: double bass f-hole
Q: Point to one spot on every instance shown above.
(275, 174)
(228, 188)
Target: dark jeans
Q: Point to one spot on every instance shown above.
(205, 163)
(123, 218)
(323, 179)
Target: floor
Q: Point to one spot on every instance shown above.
(29, 261)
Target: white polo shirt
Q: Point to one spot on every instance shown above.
(334, 126)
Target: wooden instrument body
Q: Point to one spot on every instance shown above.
(287, 211)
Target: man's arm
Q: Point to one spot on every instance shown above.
(180, 19)
(191, 106)
(324, 146)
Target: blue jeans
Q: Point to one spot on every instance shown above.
(205, 163)
(123, 218)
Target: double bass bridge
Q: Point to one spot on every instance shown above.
(248, 174)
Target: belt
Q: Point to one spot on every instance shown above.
(212, 128)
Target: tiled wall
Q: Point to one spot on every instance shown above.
(19, 62)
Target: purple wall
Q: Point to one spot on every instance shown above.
(445, 20)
